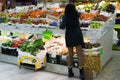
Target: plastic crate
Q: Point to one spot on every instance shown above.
(117, 21)
(27, 60)
(9, 51)
(52, 58)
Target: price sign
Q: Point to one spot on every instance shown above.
(53, 55)
(101, 51)
(64, 57)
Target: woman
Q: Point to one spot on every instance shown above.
(8, 4)
(73, 38)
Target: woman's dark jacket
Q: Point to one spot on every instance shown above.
(73, 34)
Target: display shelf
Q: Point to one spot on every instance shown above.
(92, 33)
(106, 42)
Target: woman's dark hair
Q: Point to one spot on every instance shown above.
(70, 11)
(71, 16)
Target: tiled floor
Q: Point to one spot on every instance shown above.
(11, 72)
(112, 70)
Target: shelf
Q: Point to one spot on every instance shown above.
(22, 28)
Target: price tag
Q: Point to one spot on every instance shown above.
(53, 62)
(76, 64)
(93, 11)
(93, 40)
(53, 55)
(101, 51)
(64, 57)
(94, 32)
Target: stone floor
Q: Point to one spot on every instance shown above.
(11, 72)
(112, 70)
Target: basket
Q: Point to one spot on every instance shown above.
(92, 62)
(46, 35)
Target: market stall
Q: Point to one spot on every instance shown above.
(97, 28)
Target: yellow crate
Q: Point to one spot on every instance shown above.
(37, 62)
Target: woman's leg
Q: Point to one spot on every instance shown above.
(80, 61)
(70, 57)
(79, 55)
(70, 61)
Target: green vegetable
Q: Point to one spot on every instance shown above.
(29, 21)
(6, 20)
(2, 19)
(104, 6)
(24, 45)
(38, 42)
(6, 44)
(34, 53)
(4, 14)
(32, 47)
(30, 36)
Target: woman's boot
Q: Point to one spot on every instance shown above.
(82, 76)
(70, 72)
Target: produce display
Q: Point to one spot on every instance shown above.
(89, 45)
(110, 8)
(36, 17)
(88, 7)
(28, 21)
(4, 39)
(88, 16)
(57, 14)
(118, 6)
(36, 13)
(39, 21)
(22, 21)
(15, 14)
(24, 15)
(100, 18)
(104, 6)
(56, 44)
(53, 15)
(14, 21)
(95, 25)
(84, 25)
(4, 20)
(13, 43)
(32, 47)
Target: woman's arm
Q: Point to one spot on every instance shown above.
(63, 24)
